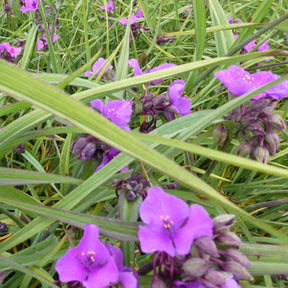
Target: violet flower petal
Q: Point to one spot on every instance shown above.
(181, 104)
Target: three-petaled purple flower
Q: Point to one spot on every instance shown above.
(29, 5)
(43, 42)
(239, 81)
(181, 104)
(133, 18)
(89, 263)
(133, 63)
(171, 225)
(118, 111)
(8, 52)
(98, 67)
(109, 7)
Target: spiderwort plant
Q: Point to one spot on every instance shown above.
(254, 123)
(94, 264)
(191, 249)
(100, 66)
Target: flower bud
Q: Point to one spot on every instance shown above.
(228, 238)
(244, 149)
(214, 277)
(157, 282)
(237, 256)
(238, 271)
(169, 115)
(207, 246)
(277, 122)
(78, 145)
(259, 105)
(220, 135)
(223, 222)
(87, 152)
(256, 129)
(195, 267)
(260, 154)
(271, 142)
(159, 100)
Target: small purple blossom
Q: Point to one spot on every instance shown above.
(8, 52)
(118, 111)
(43, 42)
(134, 64)
(98, 67)
(181, 104)
(89, 263)
(171, 225)
(239, 81)
(110, 6)
(29, 5)
(124, 20)
(127, 276)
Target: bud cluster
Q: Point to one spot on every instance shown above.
(151, 106)
(255, 127)
(87, 148)
(134, 186)
(212, 262)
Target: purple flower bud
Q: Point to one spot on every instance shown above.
(229, 239)
(244, 149)
(3, 227)
(237, 256)
(157, 282)
(20, 148)
(159, 100)
(196, 267)
(260, 154)
(260, 104)
(256, 128)
(223, 222)
(78, 145)
(277, 122)
(214, 277)
(239, 272)
(220, 135)
(271, 142)
(169, 115)
(207, 246)
(87, 153)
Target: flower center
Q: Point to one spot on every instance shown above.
(168, 224)
(248, 78)
(88, 260)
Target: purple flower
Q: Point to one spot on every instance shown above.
(43, 43)
(181, 104)
(140, 13)
(118, 111)
(29, 5)
(133, 19)
(239, 81)
(12, 51)
(98, 66)
(133, 63)
(124, 20)
(171, 226)
(127, 276)
(89, 263)
(110, 6)
(264, 46)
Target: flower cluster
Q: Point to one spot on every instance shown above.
(186, 242)
(253, 124)
(169, 104)
(94, 264)
(88, 147)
